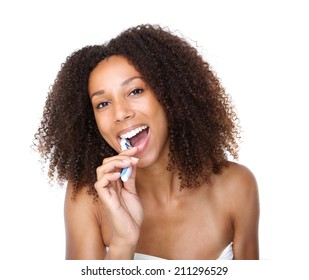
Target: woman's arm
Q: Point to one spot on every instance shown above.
(244, 201)
(83, 232)
(122, 207)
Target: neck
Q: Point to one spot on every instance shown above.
(158, 183)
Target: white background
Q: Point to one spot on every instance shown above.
(259, 49)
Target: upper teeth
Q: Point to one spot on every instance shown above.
(133, 132)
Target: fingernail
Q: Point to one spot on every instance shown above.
(134, 159)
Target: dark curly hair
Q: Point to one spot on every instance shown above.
(202, 123)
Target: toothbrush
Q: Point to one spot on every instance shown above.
(126, 172)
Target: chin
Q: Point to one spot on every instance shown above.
(145, 162)
(149, 159)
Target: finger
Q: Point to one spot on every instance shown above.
(129, 152)
(106, 180)
(110, 197)
(115, 165)
(118, 157)
(130, 184)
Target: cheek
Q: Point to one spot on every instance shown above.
(161, 117)
(161, 127)
(104, 128)
(157, 109)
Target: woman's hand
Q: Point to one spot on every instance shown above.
(120, 199)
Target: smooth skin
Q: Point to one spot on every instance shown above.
(149, 214)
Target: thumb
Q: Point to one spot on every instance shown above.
(130, 184)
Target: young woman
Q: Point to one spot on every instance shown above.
(183, 198)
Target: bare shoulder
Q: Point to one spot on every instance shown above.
(80, 199)
(83, 226)
(238, 181)
(80, 204)
(81, 208)
(237, 187)
(240, 191)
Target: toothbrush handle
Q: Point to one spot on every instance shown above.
(125, 173)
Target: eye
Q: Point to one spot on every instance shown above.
(136, 91)
(102, 105)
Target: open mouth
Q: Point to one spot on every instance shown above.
(137, 136)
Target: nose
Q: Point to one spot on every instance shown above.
(122, 111)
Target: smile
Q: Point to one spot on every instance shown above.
(133, 132)
(137, 136)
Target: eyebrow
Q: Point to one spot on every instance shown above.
(124, 83)
(127, 81)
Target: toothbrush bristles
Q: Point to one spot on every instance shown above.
(128, 145)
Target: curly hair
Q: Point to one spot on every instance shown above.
(202, 124)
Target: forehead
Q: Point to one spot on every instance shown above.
(114, 65)
(111, 71)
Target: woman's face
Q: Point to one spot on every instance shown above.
(125, 107)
